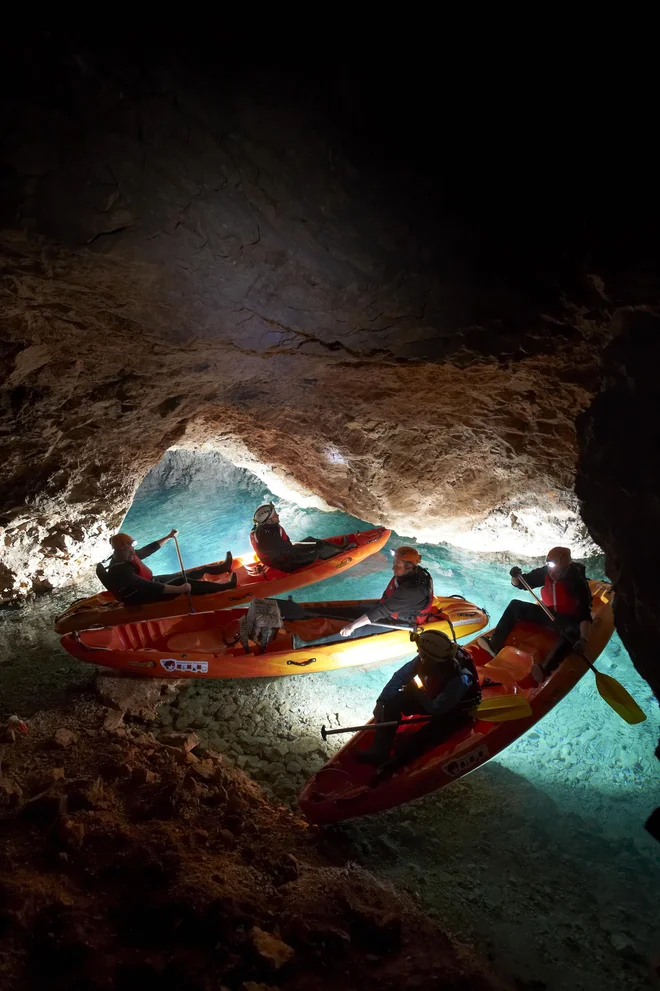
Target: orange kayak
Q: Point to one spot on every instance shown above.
(341, 789)
(206, 645)
(254, 579)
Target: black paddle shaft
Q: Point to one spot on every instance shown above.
(325, 733)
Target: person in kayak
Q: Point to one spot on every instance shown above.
(566, 593)
(441, 681)
(273, 547)
(133, 583)
(407, 599)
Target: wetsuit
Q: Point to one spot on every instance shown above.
(568, 599)
(447, 702)
(273, 547)
(122, 578)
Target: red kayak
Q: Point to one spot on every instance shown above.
(254, 580)
(342, 790)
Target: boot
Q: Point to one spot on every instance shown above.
(227, 563)
(374, 756)
(232, 583)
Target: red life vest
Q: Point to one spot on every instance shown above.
(141, 568)
(557, 597)
(423, 615)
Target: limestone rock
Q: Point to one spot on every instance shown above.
(64, 737)
(186, 741)
(135, 697)
(271, 948)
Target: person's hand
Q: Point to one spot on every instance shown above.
(580, 645)
(172, 533)
(185, 587)
(346, 630)
(515, 571)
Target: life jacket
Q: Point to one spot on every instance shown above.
(141, 568)
(557, 595)
(269, 541)
(413, 580)
(434, 685)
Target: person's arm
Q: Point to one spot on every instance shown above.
(355, 625)
(534, 578)
(398, 681)
(155, 545)
(451, 696)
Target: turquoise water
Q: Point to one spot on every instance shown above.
(582, 754)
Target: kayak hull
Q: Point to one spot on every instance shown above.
(201, 645)
(253, 581)
(342, 790)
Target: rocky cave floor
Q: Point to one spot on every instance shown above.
(538, 891)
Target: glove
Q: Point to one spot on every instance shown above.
(515, 571)
(580, 645)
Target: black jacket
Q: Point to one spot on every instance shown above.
(412, 593)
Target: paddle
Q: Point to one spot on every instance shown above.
(183, 574)
(495, 710)
(609, 689)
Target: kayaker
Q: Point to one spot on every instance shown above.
(133, 583)
(408, 598)
(566, 593)
(273, 547)
(442, 682)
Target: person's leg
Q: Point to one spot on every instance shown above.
(570, 633)
(208, 588)
(405, 703)
(517, 611)
(412, 745)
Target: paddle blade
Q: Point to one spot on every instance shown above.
(618, 698)
(502, 708)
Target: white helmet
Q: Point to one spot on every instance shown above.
(264, 513)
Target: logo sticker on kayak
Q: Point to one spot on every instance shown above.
(194, 667)
(459, 765)
(142, 664)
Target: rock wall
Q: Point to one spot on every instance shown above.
(618, 484)
(244, 257)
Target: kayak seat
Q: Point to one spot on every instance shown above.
(511, 664)
(207, 640)
(270, 574)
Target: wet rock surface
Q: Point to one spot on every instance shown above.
(168, 873)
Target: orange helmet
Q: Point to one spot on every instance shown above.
(120, 540)
(558, 557)
(410, 554)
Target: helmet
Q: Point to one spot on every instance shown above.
(433, 645)
(558, 557)
(410, 554)
(121, 540)
(264, 513)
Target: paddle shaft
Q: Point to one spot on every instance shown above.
(183, 573)
(553, 619)
(355, 729)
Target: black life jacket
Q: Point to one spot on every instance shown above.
(419, 584)
(270, 543)
(464, 666)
